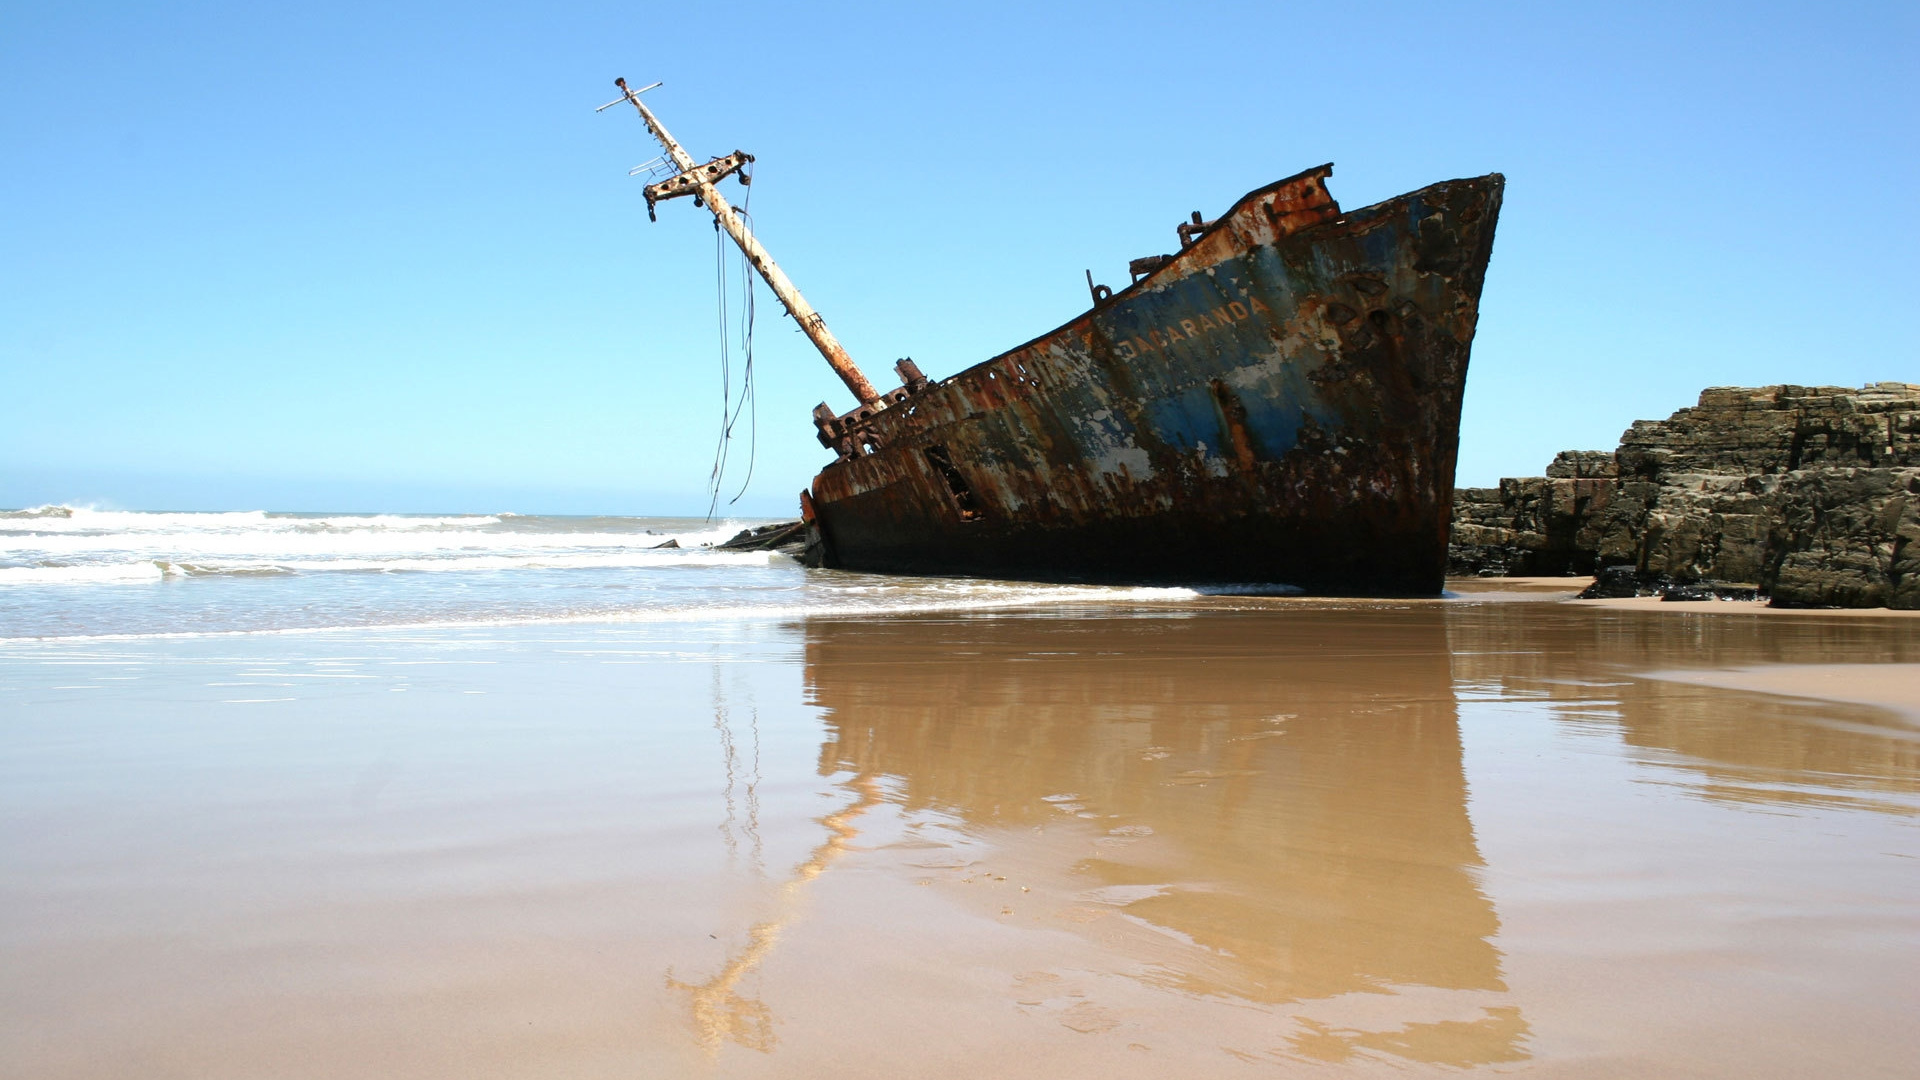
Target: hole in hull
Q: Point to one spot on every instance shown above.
(957, 486)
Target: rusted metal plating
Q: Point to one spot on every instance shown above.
(1278, 402)
(1192, 230)
(849, 434)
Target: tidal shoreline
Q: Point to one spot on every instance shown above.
(1568, 589)
(1895, 687)
(1248, 837)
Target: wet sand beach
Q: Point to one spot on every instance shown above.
(1253, 837)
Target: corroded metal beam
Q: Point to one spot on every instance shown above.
(810, 321)
(688, 183)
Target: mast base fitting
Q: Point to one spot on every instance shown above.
(848, 434)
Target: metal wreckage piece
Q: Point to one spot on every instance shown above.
(1277, 402)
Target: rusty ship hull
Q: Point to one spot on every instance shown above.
(1278, 402)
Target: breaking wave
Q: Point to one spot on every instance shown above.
(79, 572)
(110, 574)
(959, 601)
(153, 570)
(81, 519)
(64, 543)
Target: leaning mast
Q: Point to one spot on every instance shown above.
(699, 181)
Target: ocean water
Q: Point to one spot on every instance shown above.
(79, 572)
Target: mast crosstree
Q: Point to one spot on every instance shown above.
(699, 181)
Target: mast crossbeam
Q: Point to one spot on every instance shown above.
(688, 183)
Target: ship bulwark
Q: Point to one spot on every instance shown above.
(1279, 403)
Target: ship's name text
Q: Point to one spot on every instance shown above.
(1208, 321)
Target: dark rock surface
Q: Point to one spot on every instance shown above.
(1809, 494)
(1533, 526)
(1615, 583)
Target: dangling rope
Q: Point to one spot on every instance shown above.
(731, 408)
(748, 399)
(726, 374)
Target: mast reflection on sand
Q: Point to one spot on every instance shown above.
(720, 1011)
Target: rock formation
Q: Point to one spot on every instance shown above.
(1812, 494)
(1534, 525)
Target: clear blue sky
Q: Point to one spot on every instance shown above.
(385, 256)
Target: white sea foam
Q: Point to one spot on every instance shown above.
(959, 599)
(320, 545)
(541, 561)
(110, 574)
(80, 519)
(61, 537)
(151, 570)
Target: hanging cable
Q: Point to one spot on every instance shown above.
(726, 374)
(748, 399)
(747, 403)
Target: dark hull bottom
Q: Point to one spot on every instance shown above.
(1348, 557)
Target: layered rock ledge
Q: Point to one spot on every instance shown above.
(1811, 495)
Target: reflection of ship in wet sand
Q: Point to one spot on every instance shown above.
(1295, 814)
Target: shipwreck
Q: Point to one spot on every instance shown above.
(1276, 402)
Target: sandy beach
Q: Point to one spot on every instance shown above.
(1569, 588)
(1263, 838)
(1894, 687)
